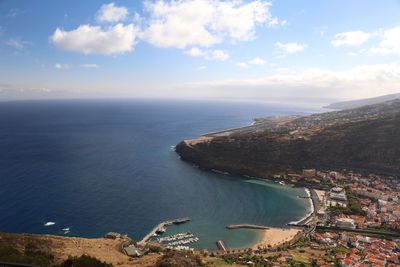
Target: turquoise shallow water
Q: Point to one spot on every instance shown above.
(98, 166)
(272, 205)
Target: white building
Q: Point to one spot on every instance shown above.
(338, 197)
(345, 223)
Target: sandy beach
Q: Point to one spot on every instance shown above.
(275, 236)
(321, 195)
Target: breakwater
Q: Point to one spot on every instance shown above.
(247, 226)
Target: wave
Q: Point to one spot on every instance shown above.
(220, 172)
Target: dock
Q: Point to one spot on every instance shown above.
(247, 226)
(161, 225)
(221, 245)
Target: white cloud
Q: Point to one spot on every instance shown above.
(202, 68)
(274, 22)
(257, 61)
(111, 13)
(242, 65)
(89, 39)
(208, 54)
(204, 22)
(89, 66)
(390, 42)
(12, 13)
(254, 61)
(290, 48)
(17, 43)
(195, 52)
(218, 55)
(353, 38)
(60, 66)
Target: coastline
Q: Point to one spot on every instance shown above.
(313, 206)
(274, 236)
(310, 213)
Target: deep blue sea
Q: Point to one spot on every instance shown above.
(96, 166)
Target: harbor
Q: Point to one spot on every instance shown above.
(178, 241)
(161, 228)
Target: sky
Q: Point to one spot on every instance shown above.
(299, 51)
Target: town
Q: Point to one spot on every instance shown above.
(356, 223)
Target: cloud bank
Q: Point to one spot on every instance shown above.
(89, 39)
(178, 24)
(319, 85)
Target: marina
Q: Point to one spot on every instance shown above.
(161, 228)
(179, 241)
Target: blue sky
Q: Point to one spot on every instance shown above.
(281, 50)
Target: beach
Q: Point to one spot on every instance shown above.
(321, 195)
(275, 236)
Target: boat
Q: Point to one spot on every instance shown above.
(161, 230)
(181, 220)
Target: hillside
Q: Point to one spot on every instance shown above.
(362, 138)
(362, 102)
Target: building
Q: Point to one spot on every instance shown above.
(337, 190)
(346, 223)
(309, 173)
(338, 194)
(112, 235)
(338, 197)
(133, 251)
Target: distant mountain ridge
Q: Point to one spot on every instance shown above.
(363, 102)
(362, 138)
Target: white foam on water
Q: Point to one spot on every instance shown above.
(311, 207)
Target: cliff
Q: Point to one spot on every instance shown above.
(362, 138)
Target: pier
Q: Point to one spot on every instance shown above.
(247, 226)
(162, 225)
(221, 245)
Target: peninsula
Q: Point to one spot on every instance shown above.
(363, 138)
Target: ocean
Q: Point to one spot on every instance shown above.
(96, 166)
